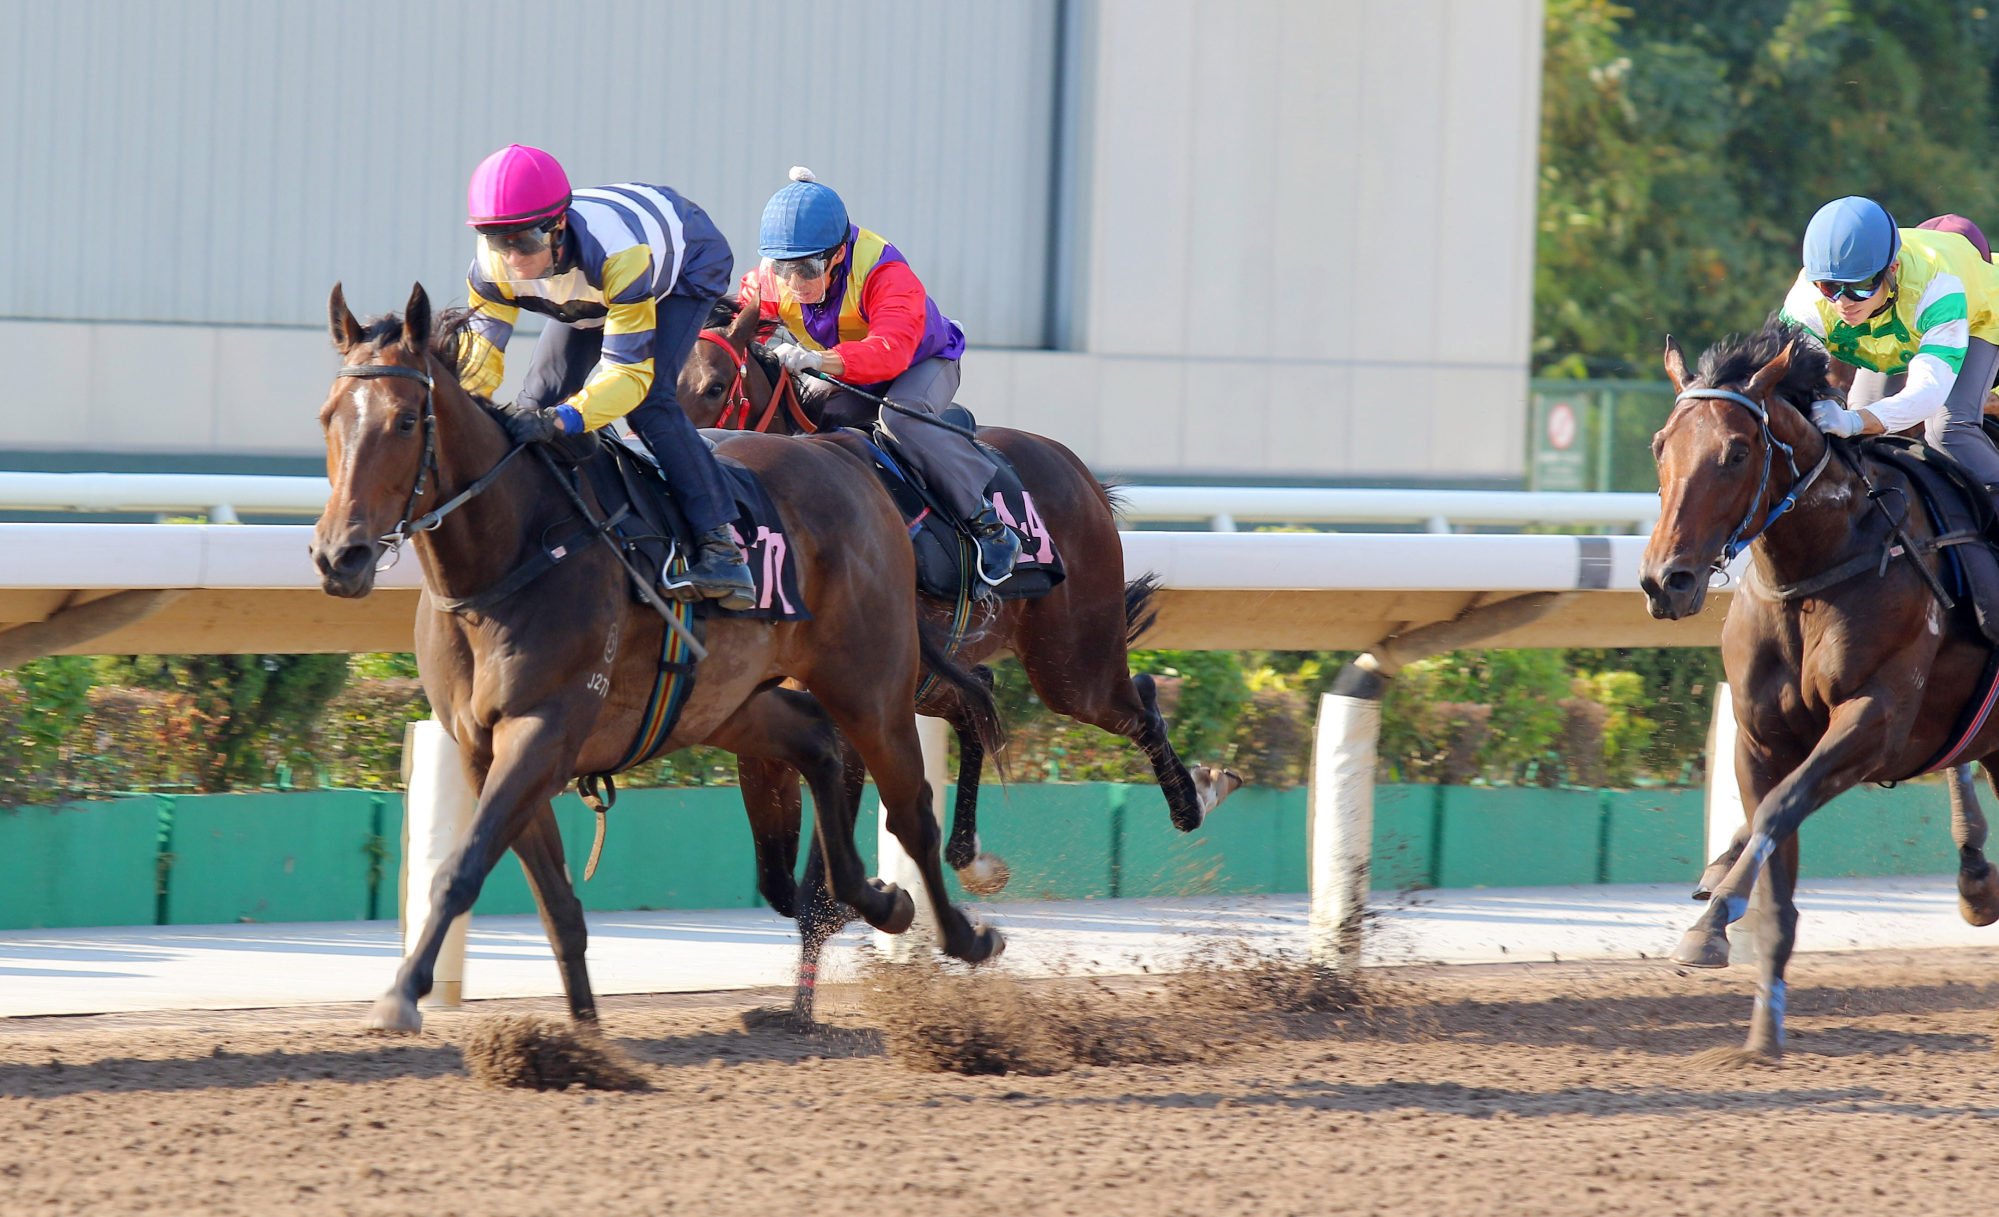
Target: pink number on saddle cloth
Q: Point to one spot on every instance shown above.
(1042, 546)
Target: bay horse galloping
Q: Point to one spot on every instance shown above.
(1843, 664)
(542, 672)
(1071, 642)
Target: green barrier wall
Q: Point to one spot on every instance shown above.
(336, 855)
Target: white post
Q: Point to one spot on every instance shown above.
(898, 867)
(1724, 795)
(1339, 826)
(437, 815)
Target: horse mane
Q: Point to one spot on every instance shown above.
(1736, 358)
(721, 314)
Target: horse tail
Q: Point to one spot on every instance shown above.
(1139, 611)
(976, 696)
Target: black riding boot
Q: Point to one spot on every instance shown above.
(999, 548)
(719, 572)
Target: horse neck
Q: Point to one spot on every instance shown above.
(1820, 529)
(476, 545)
(760, 388)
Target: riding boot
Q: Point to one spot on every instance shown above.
(719, 572)
(999, 548)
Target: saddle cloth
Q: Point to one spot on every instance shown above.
(656, 536)
(942, 550)
(1960, 512)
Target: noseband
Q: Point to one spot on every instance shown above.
(1743, 535)
(426, 469)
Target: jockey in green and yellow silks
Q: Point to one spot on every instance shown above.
(1917, 302)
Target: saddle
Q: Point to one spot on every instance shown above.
(1960, 513)
(943, 550)
(655, 535)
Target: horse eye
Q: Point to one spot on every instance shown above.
(712, 391)
(1738, 452)
(405, 422)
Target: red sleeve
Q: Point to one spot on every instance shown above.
(895, 303)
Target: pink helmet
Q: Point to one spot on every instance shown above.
(517, 185)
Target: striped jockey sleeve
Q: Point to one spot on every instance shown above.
(1943, 321)
(624, 372)
(1801, 307)
(482, 344)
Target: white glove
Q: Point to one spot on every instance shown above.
(1835, 419)
(796, 358)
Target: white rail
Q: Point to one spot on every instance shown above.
(223, 497)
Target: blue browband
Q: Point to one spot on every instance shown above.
(1741, 538)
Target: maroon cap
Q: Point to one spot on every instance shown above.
(1963, 228)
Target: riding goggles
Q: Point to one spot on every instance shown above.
(799, 270)
(1866, 289)
(530, 240)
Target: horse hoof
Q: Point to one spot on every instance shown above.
(985, 875)
(395, 1014)
(901, 914)
(1710, 879)
(785, 1019)
(1212, 784)
(1701, 949)
(1978, 899)
(985, 945)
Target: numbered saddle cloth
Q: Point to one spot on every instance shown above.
(655, 534)
(943, 549)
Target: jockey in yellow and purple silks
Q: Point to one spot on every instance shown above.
(1916, 301)
(626, 275)
(854, 309)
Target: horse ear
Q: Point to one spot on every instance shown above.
(416, 321)
(1676, 365)
(1770, 375)
(743, 330)
(340, 319)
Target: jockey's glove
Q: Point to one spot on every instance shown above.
(1835, 419)
(530, 425)
(796, 358)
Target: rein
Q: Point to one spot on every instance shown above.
(736, 411)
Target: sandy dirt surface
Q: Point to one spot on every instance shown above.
(1546, 1089)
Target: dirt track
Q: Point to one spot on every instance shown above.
(1547, 1089)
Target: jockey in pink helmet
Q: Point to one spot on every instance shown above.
(625, 274)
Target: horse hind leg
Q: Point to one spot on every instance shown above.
(820, 915)
(770, 798)
(1977, 882)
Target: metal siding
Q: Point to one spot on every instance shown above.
(224, 161)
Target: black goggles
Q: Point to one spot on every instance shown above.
(1866, 289)
(531, 240)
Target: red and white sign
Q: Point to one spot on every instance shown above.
(1561, 425)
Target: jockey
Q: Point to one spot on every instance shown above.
(625, 274)
(854, 309)
(1919, 301)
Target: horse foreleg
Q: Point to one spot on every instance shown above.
(1776, 935)
(1977, 883)
(770, 797)
(539, 848)
(522, 779)
(1850, 750)
(820, 916)
(980, 872)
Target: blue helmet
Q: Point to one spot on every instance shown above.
(803, 219)
(1850, 240)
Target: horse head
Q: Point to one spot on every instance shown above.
(1728, 458)
(714, 383)
(380, 420)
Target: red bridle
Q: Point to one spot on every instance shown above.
(736, 408)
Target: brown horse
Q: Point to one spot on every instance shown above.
(1842, 665)
(1072, 642)
(549, 680)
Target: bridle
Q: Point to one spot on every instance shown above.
(426, 470)
(1743, 535)
(737, 406)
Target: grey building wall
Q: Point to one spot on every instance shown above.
(1281, 238)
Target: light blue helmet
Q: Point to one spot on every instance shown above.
(1850, 240)
(803, 219)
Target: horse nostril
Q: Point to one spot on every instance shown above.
(1680, 582)
(352, 560)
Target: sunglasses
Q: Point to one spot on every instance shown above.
(1865, 290)
(519, 241)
